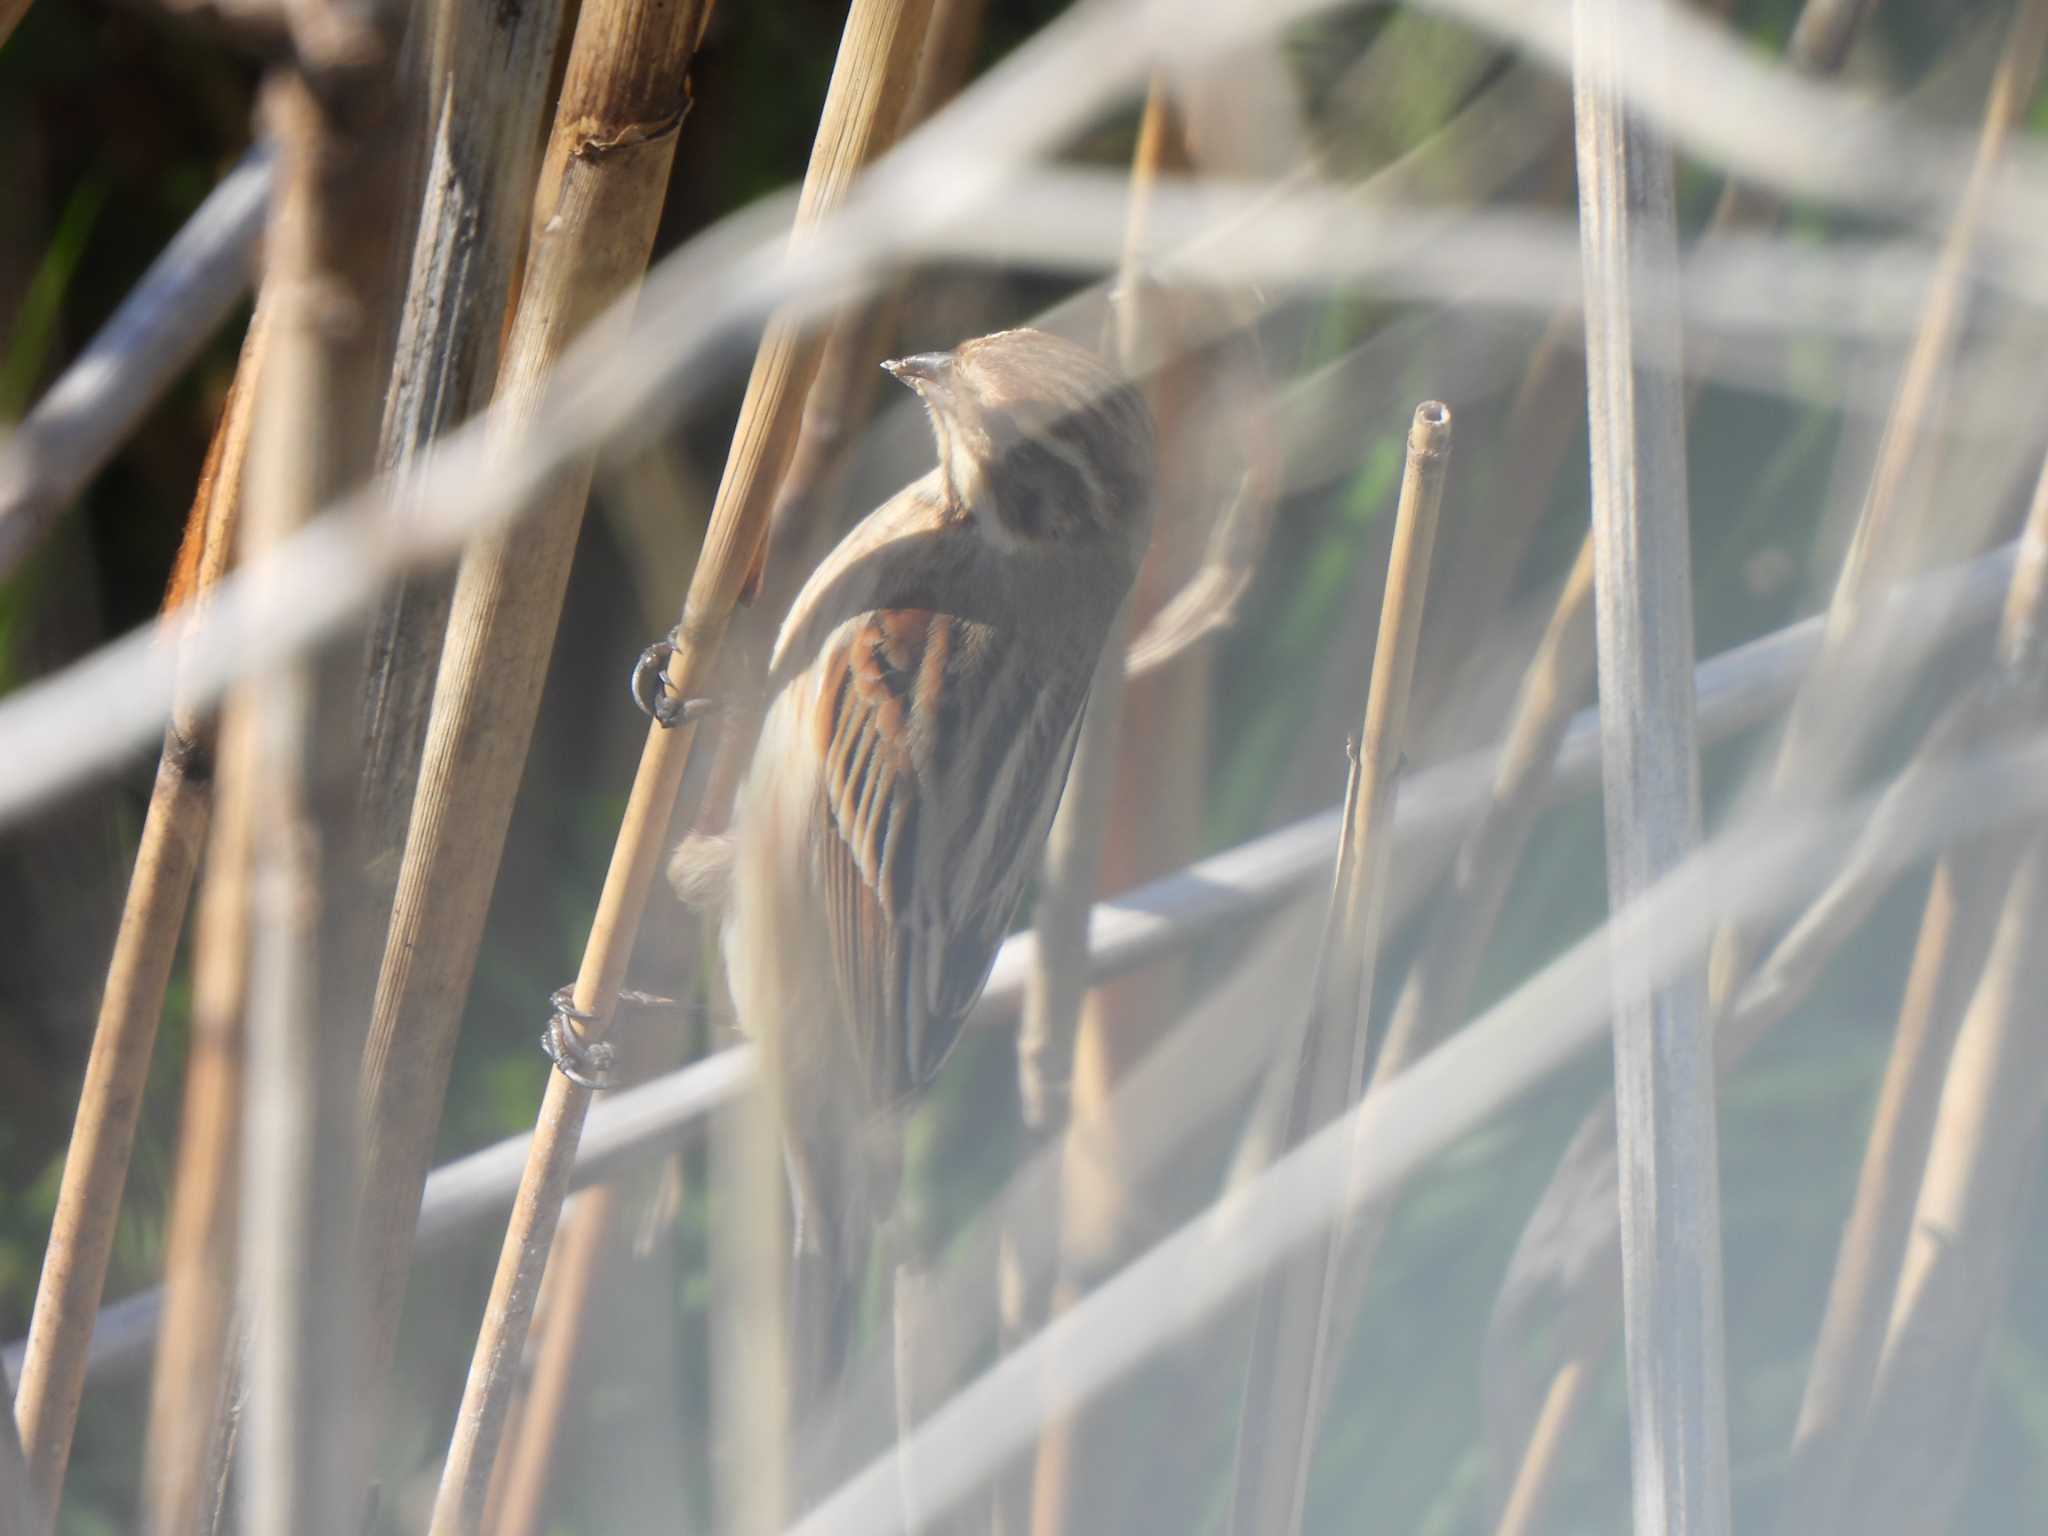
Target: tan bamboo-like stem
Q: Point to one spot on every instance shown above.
(1982, 1161)
(485, 93)
(1290, 1357)
(1819, 729)
(110, 1104)
(330, 107)
(870, 81)
(1523, 1514)
(524, 1475)
(194, 1339)
(622, 101)
(1956, 925)
(199, 1263)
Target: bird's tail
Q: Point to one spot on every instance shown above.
(843, 1193)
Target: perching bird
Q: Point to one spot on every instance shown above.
(925, 694)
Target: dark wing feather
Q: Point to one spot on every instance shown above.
(920, 889)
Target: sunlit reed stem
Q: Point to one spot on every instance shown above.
(1288, 1376)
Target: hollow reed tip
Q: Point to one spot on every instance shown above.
(1430, 435)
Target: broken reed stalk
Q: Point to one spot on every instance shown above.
(152, 918)
(330, 108)
(1438, 987)
(485, 96)
(1642, 580)
(623, 99)
(1957, 921)
(199, 1263)
(1290, 1362)
(1982, 1164)
(870, 80)
(1830, 714)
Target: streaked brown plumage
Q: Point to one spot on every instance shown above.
(926, 690)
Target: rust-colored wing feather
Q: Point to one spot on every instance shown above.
(930, 822)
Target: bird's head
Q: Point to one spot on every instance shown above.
(1038, 440)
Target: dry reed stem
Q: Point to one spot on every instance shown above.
(1522, 1515)
(1956, 925)
(870, 81)
(1642, 594)
(623, 99)
(1738, 691)
(486, 96)
(1820, 42)
(523, 1476)
(192, 1343)
(193, 1340)
(1438, 987)
(1291, 1358)
(1822, 730)
(330, 108)
(1983, 1160)
(110, 1103)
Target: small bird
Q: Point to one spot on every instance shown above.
(925, 692)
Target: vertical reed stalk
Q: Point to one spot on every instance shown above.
(870, 81)
(487, 69)
(1290, 1357)
(623, 99)
(1663, 1049)
(110, 1103)
(330, 111)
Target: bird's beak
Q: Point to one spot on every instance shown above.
(922, 370)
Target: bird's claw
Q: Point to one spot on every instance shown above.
(653, 692)
(587, 1064)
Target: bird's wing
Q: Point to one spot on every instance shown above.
(920, 890)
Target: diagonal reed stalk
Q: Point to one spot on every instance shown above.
(110, 1104)
(1642, 583)
(1982, 1164)
(199, 1262)
(109, 387)
(870, 82)
(1290, 1356)
(518, 1504)
(1959, 917)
